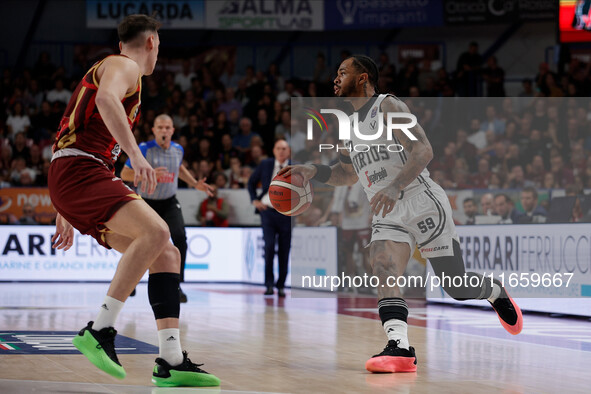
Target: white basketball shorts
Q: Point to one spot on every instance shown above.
(423, 219)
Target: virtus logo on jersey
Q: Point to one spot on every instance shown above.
(375, 125)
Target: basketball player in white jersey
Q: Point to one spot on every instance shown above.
(409, 209)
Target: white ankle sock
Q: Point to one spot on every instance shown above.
(169, 341)
(496, 292)
(397, 330)
(108, 313)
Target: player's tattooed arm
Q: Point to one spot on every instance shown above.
(343, 172)
(419, 153)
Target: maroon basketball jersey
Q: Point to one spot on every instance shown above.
(83, 128)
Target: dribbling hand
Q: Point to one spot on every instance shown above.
(305, 170)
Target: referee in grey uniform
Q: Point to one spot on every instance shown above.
(167, 157)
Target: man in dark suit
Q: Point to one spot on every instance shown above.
(275, 225)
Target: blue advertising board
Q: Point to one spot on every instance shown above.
(387, 14)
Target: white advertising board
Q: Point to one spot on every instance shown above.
(546, 267)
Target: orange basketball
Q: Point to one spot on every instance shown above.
(289, 195)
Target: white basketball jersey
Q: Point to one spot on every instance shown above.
(374, 164)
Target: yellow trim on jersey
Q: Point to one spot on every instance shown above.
(96, 66)
(70, 138)
(72, 125)
(139, 83)
(133, 195)
(132, 112)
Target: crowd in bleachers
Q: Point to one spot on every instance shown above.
(227, 119)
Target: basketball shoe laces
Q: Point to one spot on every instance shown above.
(186, 365)
(390, 348)
(106, 341)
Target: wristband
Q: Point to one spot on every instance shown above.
(323, 173)
(344, 158)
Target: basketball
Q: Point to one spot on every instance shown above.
(289, 195)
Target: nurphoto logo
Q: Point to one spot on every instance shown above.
(375, 125)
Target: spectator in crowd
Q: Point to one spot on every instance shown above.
(28, 216)
(234, 174)
(59, 94)
(183, 78)
(487, 204)
(18, 121)
(44, 70)
(265, 127)
(44, 123)
(322, 73)
(230, 103)
(535, 171)
(465, 149)
(527, 88)
(516, 179)
(494, 77)
(550, 181)
(242, 141)
(213, 211)
(562, 174)
(20, 174)
(289, 92)
(493, 121)
(20, 147)
(227, 152)
(220, 180)
(533, 213)
(468, 71)
(470, 210)
(481, 178)
(503, 207)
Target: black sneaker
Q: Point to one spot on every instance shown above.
(182, 296)
(393, 359)
(99, 348)
(269, 291)
(133, 293)
(185, 374)
(508, 311)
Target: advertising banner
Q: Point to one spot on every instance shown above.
(459, 12)
(265, 15)
(313, 252)
(173, 14)
(26, 254)
(213, 254)
(12, 200)
(364, 14)
(538, 264)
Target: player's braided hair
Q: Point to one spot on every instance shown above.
(365, 64)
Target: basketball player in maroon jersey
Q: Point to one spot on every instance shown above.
(97, 124)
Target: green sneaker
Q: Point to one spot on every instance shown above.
(99, 348)
(185, 374)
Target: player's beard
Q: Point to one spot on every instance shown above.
(347, 90)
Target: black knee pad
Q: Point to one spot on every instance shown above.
(453, 266)
(163, 293)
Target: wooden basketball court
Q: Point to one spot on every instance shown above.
(292, 345)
